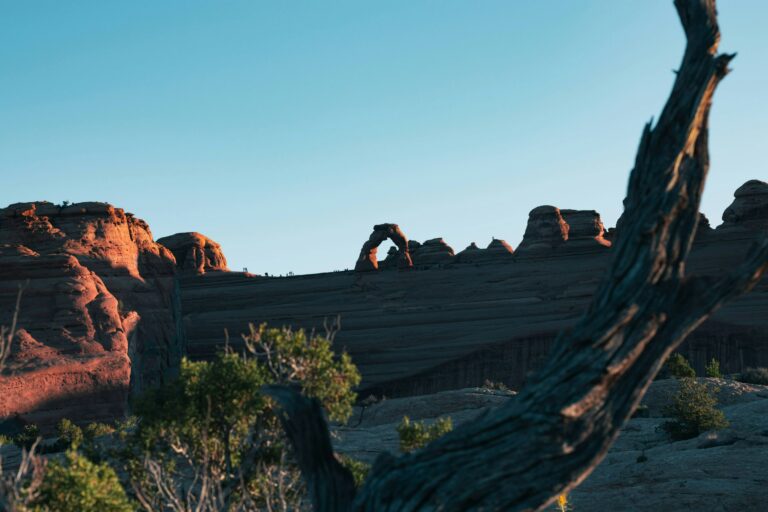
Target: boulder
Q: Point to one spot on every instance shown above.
(497, 251)
(546, 230)
(585, 229)
(195, 253)
(749, 208)
(433, 252)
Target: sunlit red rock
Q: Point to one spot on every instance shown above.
(546, 230)
(95, 314)
(367, 260)
(749, 208)
(195, 253)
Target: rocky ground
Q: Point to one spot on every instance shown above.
(644, 470)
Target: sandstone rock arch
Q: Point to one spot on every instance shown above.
(367, 259)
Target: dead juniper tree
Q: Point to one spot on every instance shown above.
(7, 334)
(559, 427)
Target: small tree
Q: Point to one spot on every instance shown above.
(222, 433)
(694, 411)
(678, 366)
(70, 435)
(79, 485)
(417, 434)
(28, 436)
(713, 369)
(754, 376)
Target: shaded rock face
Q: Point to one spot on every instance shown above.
(454, 325)
(545, 231)
(497, 251)
(584, 228)
(432, 252)
(95, 313)
(368, 261)
(749, 208)
(195, 253)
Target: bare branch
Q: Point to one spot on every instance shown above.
(551, 435)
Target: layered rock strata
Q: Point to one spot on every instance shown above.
(95, 315)
(107, 311)
(456, 324)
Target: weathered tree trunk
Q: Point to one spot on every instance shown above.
(560, 426)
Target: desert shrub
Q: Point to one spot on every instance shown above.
(693, 411)
(754, 376)
(713, 369)
(79, 485)
(70, 435)
(94, 430)
(417, 434)
(494, 386)
(214, 419)
(27, 437)
(359, 469)
(678, 366)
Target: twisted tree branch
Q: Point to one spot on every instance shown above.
(559, 427)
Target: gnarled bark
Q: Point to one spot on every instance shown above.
(559, 427)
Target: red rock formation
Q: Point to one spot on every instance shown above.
(195, 253)
(367, 259)
(749, 208)
(455, 325)
(545, 231)
(96, 314)
(497, 251)
(585, 228)
(432, 252)
(100, 316)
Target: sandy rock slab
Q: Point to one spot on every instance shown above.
(643, 472)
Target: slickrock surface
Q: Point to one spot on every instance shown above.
(453, 325)
(95, 313)
(195, 253)
(715, 472)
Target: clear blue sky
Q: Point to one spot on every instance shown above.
(285, 129)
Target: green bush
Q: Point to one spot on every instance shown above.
(754, 376)
(693, 411)
(713, 369)
(417, 434)
(678, 366)
(94, 430)
(359, 469)
(214, 411)
(79, 485)
(70, 435)
(27, 437)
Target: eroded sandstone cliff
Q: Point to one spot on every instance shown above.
(95, 320)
